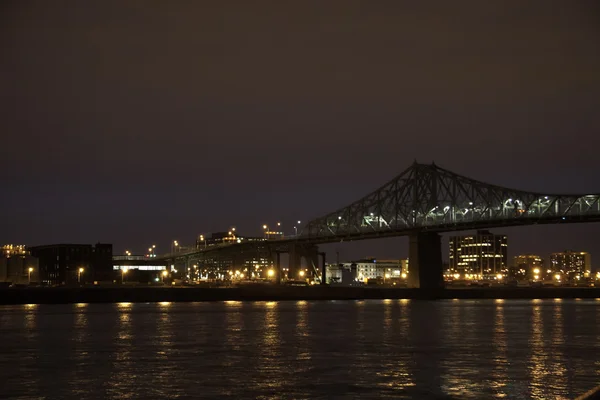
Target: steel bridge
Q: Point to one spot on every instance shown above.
(422, 202)
(427, 198)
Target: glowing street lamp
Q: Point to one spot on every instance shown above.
(79, 275)
(164, 275)
(29, 271)
(270, 273)
(123, 272)
(301, 273)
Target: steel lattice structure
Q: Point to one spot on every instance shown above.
(430, 198)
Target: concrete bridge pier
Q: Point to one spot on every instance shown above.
(323, 269)
(294, 261)
(296, 252)
(278, 269)
(425, 261)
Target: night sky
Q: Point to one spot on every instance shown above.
(140, 122)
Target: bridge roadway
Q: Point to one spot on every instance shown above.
(421, 202)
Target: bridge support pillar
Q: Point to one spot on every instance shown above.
(425, 261)
(298, 251)
(295, 261)
(278, 269)
(323, 270)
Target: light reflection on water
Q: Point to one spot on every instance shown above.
(464, 349)
(500, 369)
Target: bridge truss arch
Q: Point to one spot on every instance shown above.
(426, 197)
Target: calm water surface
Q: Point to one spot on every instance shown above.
(463, 349)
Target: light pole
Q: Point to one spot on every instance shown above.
(174, 246)
(29, 271)
(203, 239)
(79, 275)
(266, 229)
(123, 272)
(164, 275)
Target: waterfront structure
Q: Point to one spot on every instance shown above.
(138, 268)
(482, 255)
(372, 268)
(528, 266)
(73, 263)
(571, 265)
(18, 266)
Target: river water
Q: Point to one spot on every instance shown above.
(463, 349)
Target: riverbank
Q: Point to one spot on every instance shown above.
(273, 293)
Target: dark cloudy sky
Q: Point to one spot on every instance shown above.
(139, 122)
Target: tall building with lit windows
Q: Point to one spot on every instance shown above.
(483, 255)
(572, 265)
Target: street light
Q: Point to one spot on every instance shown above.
(79, 275)
(123, 272)
(270, 273)
(30, 270)
(203, 239)
(164, 275)
(301, 273)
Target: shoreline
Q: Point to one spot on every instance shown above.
(16, 296)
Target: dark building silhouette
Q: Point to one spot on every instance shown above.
(62, 263)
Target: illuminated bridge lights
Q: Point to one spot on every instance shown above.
(427, 196)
